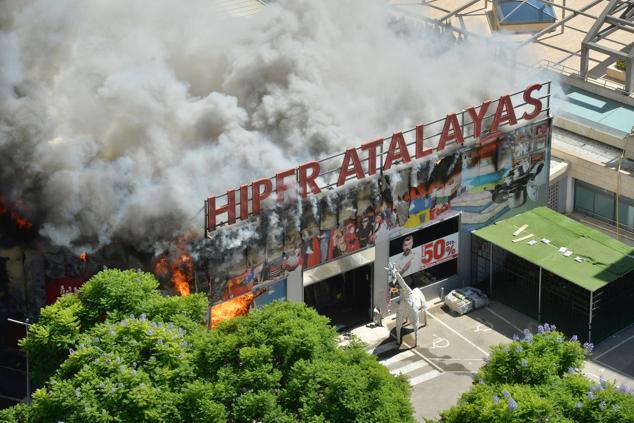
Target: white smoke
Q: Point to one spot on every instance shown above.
(118, 118)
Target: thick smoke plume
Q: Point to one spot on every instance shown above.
(118, 118)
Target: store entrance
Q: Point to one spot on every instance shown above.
(345, 298)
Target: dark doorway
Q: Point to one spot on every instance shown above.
(345, 298)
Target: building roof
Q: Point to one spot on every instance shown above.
(603, 259)
(556, 51)
(584, 147)
(512, 12)
(597, 111)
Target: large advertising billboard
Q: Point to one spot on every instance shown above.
(485, 182)
(486, 173)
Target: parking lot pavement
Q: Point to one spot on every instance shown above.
(614, 358)
(451, 348)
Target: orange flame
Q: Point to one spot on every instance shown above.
(20, 221)
(83, 257)
(162, 267)
(182, 274)
(238, 306)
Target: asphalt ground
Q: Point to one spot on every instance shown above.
(616, 355)
(451, 348)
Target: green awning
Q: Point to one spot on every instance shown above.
(603, 259)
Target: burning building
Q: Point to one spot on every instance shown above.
(107, 143)
(323, 232)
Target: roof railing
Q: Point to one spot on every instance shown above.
(568, 71)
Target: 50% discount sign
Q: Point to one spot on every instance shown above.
(439, 250)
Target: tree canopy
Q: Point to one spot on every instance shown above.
(118, 351)
(537, 379)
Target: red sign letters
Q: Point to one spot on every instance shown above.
(305, 175)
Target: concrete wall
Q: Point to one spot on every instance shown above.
(596, 173)
(380, 290)
(295, 286)
(594, 133)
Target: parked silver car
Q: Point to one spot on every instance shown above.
(464, 300)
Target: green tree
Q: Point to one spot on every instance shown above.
(282, 363)
(125, 353)
(536, 379)
(111, 296)
(533, 360)
(134, 370)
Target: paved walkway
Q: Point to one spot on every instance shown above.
(452, 348)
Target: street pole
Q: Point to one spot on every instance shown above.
(26, 325)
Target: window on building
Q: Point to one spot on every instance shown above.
(604, 205)
(433, 274)
(626, 213)
(601, 204)
(584, 198)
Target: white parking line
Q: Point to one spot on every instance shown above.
(613, 348)
(502, 318)
(459, 334)
(422, 356)
(398, 357)
(409, 368)
(424, 377)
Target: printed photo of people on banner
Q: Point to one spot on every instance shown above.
(342, 224)
(503, 174)
(274, 250)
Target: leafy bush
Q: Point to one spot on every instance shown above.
(133, 369)
(536, 379)
(348, 385)
(532, 360)
(487, 403)
(49, 339)
(282, 363)
(109, 295)
(291, 332)
(20, 413)
(115, 292)
(146, 358)
(620, 65)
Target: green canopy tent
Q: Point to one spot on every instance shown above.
(558, 270)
